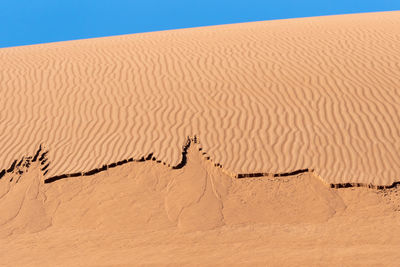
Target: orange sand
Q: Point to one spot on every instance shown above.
(316, 95)
(275, 96)
(144, 213)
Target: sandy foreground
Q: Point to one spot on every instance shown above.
(144, 213)
(267, 143)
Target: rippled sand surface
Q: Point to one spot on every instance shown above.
(259, 144)
(275, 96)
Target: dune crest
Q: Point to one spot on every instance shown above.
(143, 212)
(298, 164)
(198, 196)
(41, 157)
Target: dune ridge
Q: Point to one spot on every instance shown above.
(298, 164)
(145, 213)
(40, 156)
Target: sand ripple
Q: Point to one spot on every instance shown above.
(318, 93)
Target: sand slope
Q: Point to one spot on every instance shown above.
(199, 196)
(145, 213)
(320, 93)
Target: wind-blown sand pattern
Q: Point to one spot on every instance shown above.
(142, 213)
(269, 143)
(317, 93)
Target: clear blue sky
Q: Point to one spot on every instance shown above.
(25, 22)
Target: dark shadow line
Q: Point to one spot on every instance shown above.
(25, 163)
(122, 162)
(97, 170)
(262, 174)
(349, 185)
(185, 148)
(12, 166)
(37, 153)
(43, 159)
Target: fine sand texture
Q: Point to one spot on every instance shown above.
(266, 97)
(258, 144)
(143, 213)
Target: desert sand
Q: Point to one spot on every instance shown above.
(266, 143)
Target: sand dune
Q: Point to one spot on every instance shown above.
(268, 143)
(146, 213)
(318, 93)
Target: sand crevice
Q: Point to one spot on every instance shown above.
(41, 156)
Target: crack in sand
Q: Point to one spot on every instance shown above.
(42, 157)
